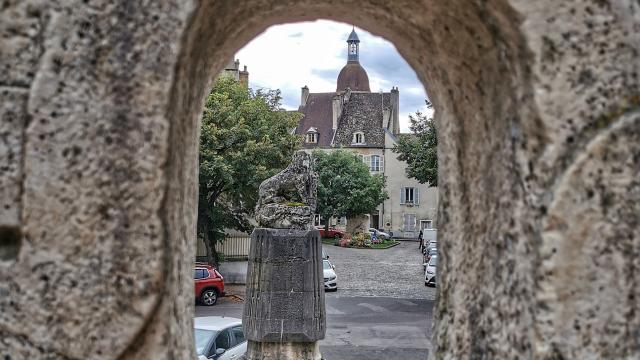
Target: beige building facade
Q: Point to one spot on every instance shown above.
(367, 123)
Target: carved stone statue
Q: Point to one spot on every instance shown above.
(288, 199)
(284, 312)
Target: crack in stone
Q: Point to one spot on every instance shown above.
(11, 85)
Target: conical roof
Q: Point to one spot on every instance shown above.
(353, 37)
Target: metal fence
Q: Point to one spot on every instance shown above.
(233, 248)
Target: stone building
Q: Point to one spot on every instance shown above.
(232, 69)
(367, 122)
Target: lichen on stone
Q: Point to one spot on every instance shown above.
(287, 200)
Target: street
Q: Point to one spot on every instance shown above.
(382, 310)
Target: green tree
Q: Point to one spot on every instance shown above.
(245, 139)
(419, 149)
(345, 185)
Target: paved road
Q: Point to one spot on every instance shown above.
(365, 328)
(382, 310)
(395, 272)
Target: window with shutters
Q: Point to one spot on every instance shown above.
(366, 159)
(426, 224)
(376, 163)
(409, 195)
(409, 222)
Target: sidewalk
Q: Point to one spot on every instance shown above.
(234, 272)
(234, 293)
(405, 239)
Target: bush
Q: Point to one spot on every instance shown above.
(361, 240)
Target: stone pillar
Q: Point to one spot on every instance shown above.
(284, 313)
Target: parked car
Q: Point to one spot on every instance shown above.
(379, 234)
(209, 284)
(426, 257)
(430, 272)
(431, 245)
(325, 256)
(219, 338)
(332, 233)
(330, 277)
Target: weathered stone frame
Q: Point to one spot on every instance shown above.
(537, 107)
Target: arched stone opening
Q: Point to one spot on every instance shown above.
(105, 99)
(469, 61)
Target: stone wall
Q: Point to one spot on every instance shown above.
(537, 104)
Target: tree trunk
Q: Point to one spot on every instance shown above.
(214, 253)
(210, 245)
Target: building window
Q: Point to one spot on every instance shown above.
(409, 222)
(426, 224)
(358, 138)
(312, 138)
(376, 163)
(409, 195)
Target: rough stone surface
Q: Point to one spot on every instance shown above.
(530, 96)
(90, 84)
(599, 192)
(285, 292)
(13, 119)
(358, 224)
(288, 199)
(279, 351)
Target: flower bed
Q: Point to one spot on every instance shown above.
(361, 241)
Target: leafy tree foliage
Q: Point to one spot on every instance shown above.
(245, 139)
(419, 150)
(345, 186)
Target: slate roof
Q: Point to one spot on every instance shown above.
(363, 112)
(318, 113)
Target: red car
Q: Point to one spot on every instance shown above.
(209, 284)
(332, 233)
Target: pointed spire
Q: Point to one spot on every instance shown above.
(353, 37)
(353, 46)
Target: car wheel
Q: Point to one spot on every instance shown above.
(209, 297)
(337, 237)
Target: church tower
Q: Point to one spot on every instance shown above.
(353, 46)
(353, 75)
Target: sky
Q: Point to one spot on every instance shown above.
(288, 57)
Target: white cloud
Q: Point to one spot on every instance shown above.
(288, 57)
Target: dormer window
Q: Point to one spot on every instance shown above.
(312, 136)
(358, 138)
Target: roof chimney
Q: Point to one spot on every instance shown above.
(304, 96)
(243, 77)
